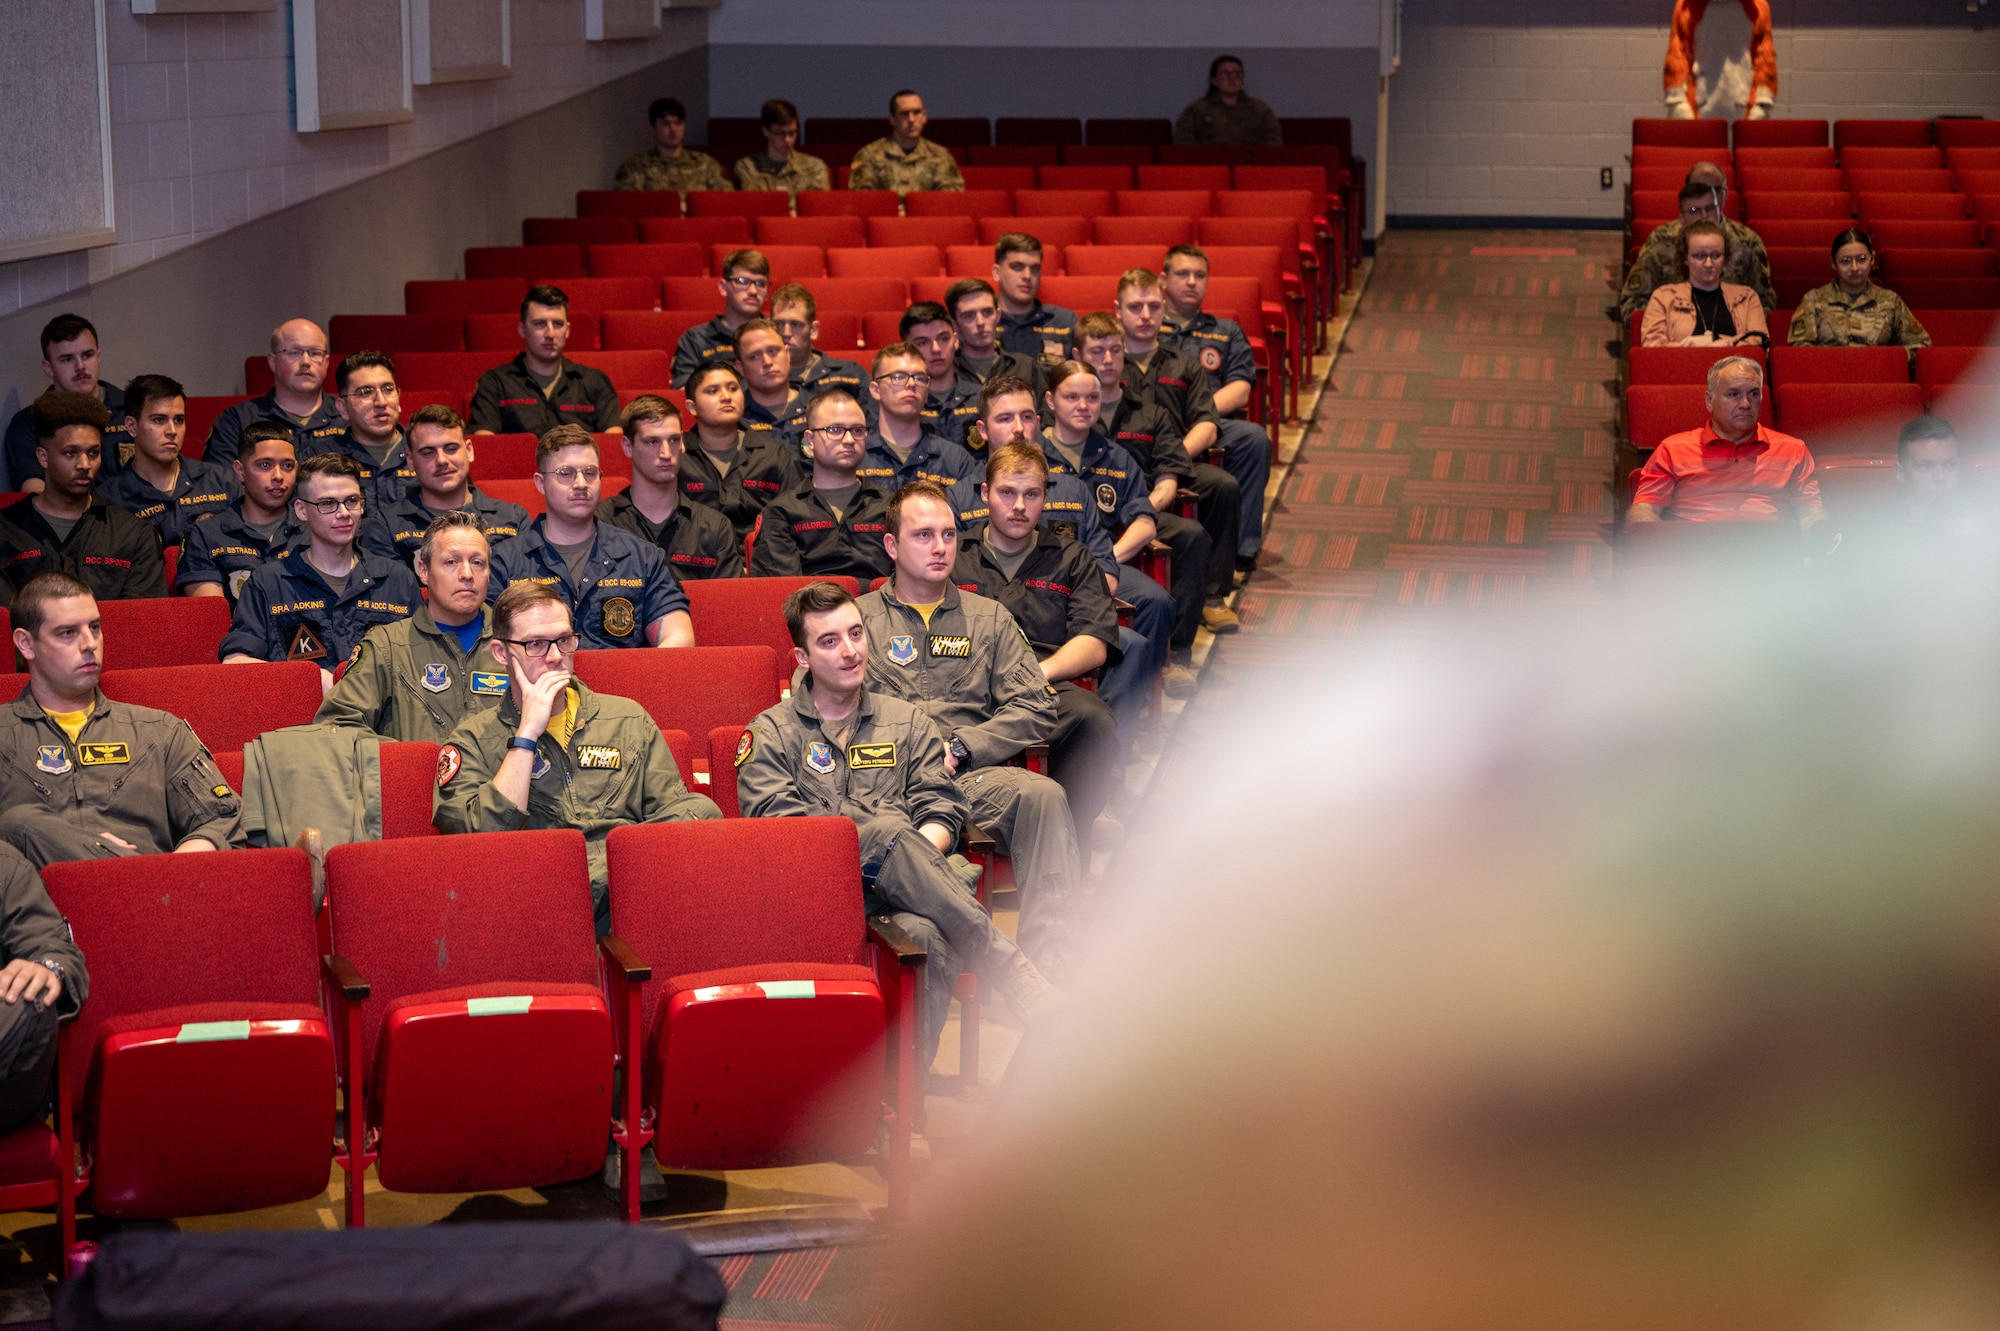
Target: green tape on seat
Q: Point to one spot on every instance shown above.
(786, 988)
(494, 1007)
(199, 1032)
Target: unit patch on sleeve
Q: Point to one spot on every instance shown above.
(449, 760)
(305, 645)
(951, 644)
(620, 618)
(1211, 359)
(863, 756)
(743, 747)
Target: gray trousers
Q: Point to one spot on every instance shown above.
(46, 837)
(1029, 817)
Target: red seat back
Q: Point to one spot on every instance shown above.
(1037, 129)
(534, 262)
(579, 230)
(1967, 133)
(738, 203)
(1927, 158)
(1681, 365)
(836, 229)
(1847, 418)
(1190, 177)
(393, 333)
(640, 203)
(1148, 130)
(1083, 177)
(1815, 155)
(889, 261)
(640, 330)
(1790, 180)
(847, 203)
(1863, 181)
(723, 746)
(858, 295)
(937, 231)
(1055, 229)
(703, 231)
(1110, 260)
(749, 612)
(226, 705)
(1158, 232)
(1165, 202)
(1755, 134)
(449, 371)
(1082, 294)
(1061, 202)
(1804, 203)
(1840, 365)
(498, 336)
(691, 689)
(1935, 206)
(1660, 132)
(1900, 263)
(879, 328)
(409, 780)
(968, 202)
(163, 631)
(591, 296)
(1881, 134)
(201, 414)
(1939, 367)
(1197, 154)
(789, 263)
(631, 370)
(511, 457)
(1923, 234)
(1949, 293)
(485, 296)
(1654, 411)
(652, 260)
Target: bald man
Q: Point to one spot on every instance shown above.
(299, 364)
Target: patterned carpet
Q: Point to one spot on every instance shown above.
(1462, 456)
(841, 1288)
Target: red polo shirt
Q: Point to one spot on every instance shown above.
(1701, 477)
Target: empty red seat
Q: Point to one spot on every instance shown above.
(694, 293)
(639, 330)
(879, 328)
(1960, 132)
(201, 414)
(484, 1060)
(163, 631)
(1940, 367)
(1051, 230)
(1083, 177)
(938, 231)
(1972, 180)
(1165, 202)
(1917, 234)
(1927, 158)
(641, 203)
(1156, 231)
(1659, 131)
(1212, 177)
(1654, 411)
(1963, 160)
(494, 295)
(392, 333)
(1037, 130)
(1839, 365)
(858, 295)
(1148, 130)
(651, 260)
(1199, 154)
(847, 203)
(646, 369)
(1107, 154)
(739, 203)
(1792, 179)
(977, 261)
(1762, 134)
(1952, 327)
(1008, 178)
(1936, 207)
(1013, 155)
(409, 780)
(825, 232)
(1802, 232)
(889, 261)
(1681, 365)
(748, 612)
(579, 230)
(1812, 203)
(692, 689)
(1654, 181)
(968, 202)
(839, 332)
(1062, 202)
(1110, 260)
(589, 296)
(534, 262)
(1847, 418)
(1817, 155)
(1081, 293)
(512, 456)
(789, 263)
(702, 231)
(1881, 134)
(1864, 181)
(1899, 264)
(226, 705)
(1683, 159)
(1948, 293)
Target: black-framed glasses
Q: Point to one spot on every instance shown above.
(570, 475)
(539, 647)
(904, 379)
(328, 507)
(854, 432)
(747, 282)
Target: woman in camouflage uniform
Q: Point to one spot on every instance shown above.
(1852, 311)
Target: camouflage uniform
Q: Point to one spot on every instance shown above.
(1211, 120)
(797, 172)
(690, 170)
(882, 165)
(1659, 263)
(1829, 317)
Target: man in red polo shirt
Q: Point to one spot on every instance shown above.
(1731, 469)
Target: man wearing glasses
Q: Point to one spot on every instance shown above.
(953, 401)
(619, 589)
(745, 280)
(317, 596)
(368, 400)
(553, 753)
(1658, 261)
(298, 362)
(903, 447)
(541, 388)
(831, 526)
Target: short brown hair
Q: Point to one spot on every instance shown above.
(1185, 252)
(647, 407)
(966, 286)
(795, 293)
(268, 432)
(1143, 278)
(563, 436)
(914, 490)
(1002, 385)
(1011, 458)
(749, 260)
(894, 351)
(1016, 242)
(328, 464)
(519, 598)
(1062, 373)
(815, 598)
(438, 414)
(827, 395)
(28, 610)
(59, 409)
(457, 519)
(756, 326)
(1098, 323)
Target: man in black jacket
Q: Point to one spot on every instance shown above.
(831, 526)
(541, 388)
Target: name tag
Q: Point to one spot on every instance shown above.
(863, 756)
(97, 755)
(489, 684)
(595, 755)
(950, 644)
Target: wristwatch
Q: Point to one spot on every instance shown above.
(959, 753)
(523, 742)
(56, 966)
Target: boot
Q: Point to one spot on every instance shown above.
(1028, 991)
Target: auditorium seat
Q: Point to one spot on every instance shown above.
(1151, 130)
(1083, 177)
(1928, 158)
(1908, 233)
(1818, 156)
(889, 261)
(738, 203)
(640, 203)
(537, 263)
(479, 296)
(511, 457)
(201, 414)
(693, 689)
(1900, 263)
(1958, 132)
(1794, 272)
(1108, 154)
(163, 631)
(1804, 233)
(1012, 179)
(1837, 418)
(880, 328)
(702, 231)
(1881, 134)
(1851, 488)
(477, 1040)
(201, 1072)
(839, 332)
(1062, 202)
(847, 203)
(1977, 163)
(1657, 131)
(1160, 232)
(749, 612)
(1037, 130)
(1866, 181)
(1211, 178)
(1683, 159)
(1654, 181)
(1056, 230)
(858, 295)
(638, 330)
(1935, 207)
(524, 493)
(654, 260)
(1839, 365)
(1944, 293)
(1810, 204)
(1654, 411)
(765, 1019)
(584, 231)
(226, 705)
(968, 202)
(1939, 367)
(1756, 135)
(724, 743)
(1011, 155)
(938, 231)
(393, 333)
(1792, 180)
(1165, 203)
(1681, 365)
(1198, 154)
(694, 293)
(824, 231)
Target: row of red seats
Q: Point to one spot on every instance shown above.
(1832, 418)
(193, 1086)
(1933, 367)
(997, 193)
(956, 132)
(1710, 135)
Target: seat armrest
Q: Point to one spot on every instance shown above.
(889, 935)
(974, 840)
(345, 976)
(622, 955)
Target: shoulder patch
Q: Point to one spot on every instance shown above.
(354, 657)
(449, 761)
(743, 747)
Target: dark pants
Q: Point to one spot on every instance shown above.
(27, 1054)
(1084, 755)
(1220, 513)
(1192, 553)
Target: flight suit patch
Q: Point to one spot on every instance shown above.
(449, 760)
(305, 645)
(1107, 497)
(598, 756)
(743, 747)
(861, 757)
(902, 649)
(951, 644)
(485, 683)
(819, 756)
(52, 758)
(437, 678)
(619, 617)
(100, 755)
(354, 657)
(541, 768)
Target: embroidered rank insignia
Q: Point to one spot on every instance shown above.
(743, 747)
(305, 645)
(902, 649)
(819, 756)
(1211, 359)
(1107, 497)
(449, 760)
(52, 758)
(485, 683)
(101, 755)
(951, 644)
(437, 678)
(860, 757)
(619, 618)
(598, 756)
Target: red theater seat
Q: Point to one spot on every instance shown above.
(498, 336)
(485, 1061)
(226, 705)
(765, 1020)
(1662, 132)
(702, 231)
(889, 261)
(1083, 177)
(1061, 202)
(694, 293)
(640, 203)
(1790, 180)
(1896, 233)
(163, 631)
(1935, 207)
(1196, 154)
(1900, 264)
(1764, 134)
(996, 177)
(692, 689)
(1804, 233)
(201, 414)
(488, 296)
(1654, 411)
(1108, 154)
(1057, 230)
(879, 328)
(1881, 134)
(537, 263)
(1160, 232)
(631, 370)
(657, 330)
(1681, 365)
(511, 457)
(409, 780)
(1814, 204)
(983, 157)
(749, 612)
(739, 203)
(938, 231)
(1893, 159)
(1863, 181)
(584, 231)
(1037, 130)
(653, 260)
(393, 333)
(1961, 133)
(858, 295)
(1847, 418)
(446, 371)
(968, 202)
(1799, 157)
(847, 203)
(977, 260)
(1165, 203)
(1840, 365)
(1209, 178)
(1943, 293)
(1940, 367)
(838, 229)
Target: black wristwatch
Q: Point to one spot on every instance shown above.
(959, 753)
